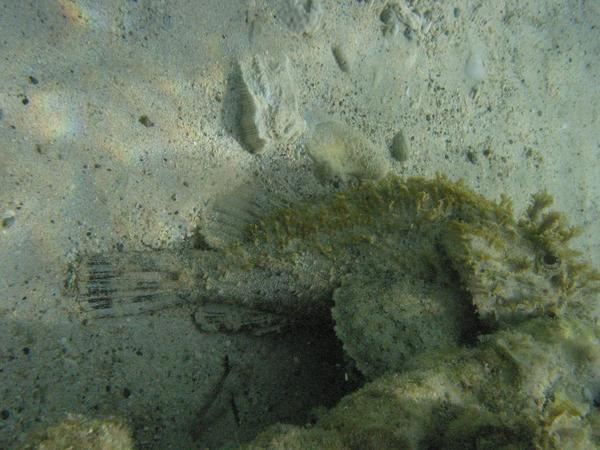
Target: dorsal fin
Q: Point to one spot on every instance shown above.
(228, 217)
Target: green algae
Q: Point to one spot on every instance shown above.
(79, 432)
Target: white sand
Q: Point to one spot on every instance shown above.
(503, 94)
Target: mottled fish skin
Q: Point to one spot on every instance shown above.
(292, 260)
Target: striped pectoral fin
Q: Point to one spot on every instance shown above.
(232, 318)
(121, 284)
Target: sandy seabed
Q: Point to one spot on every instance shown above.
(120, 130)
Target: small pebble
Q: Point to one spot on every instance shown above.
(399, 147)
(472, 157)
(144, 120)
(474, 67)
(341, 58)
(8, 221)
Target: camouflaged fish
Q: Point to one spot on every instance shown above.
(406, 264)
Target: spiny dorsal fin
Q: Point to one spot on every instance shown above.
(228, 217)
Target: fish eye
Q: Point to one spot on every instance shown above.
(550, 259)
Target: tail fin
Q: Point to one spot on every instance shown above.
(121, 284)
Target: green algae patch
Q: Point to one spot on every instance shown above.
(79, 432)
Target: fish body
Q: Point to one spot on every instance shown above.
(436, 238)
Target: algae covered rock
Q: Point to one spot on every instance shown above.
(529, 386)
(77, 432)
